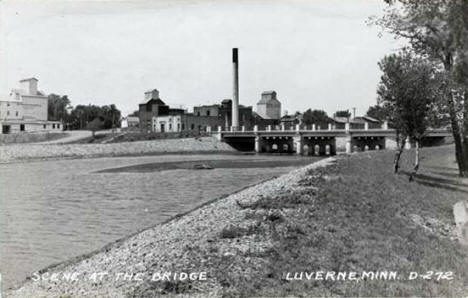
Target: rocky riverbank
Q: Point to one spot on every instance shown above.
(28, 152)
(344, 214)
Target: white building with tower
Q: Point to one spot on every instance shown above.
(25, 109)
(269, 107)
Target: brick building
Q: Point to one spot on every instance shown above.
(153, 106)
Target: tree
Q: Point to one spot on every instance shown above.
(57, 107)
(134, 114)
(408, 91)
(378, 112)
(317, 117)
(438, 31)
(345, 114)
(81, 115)
(95, 125)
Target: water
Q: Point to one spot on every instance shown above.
(54, 210)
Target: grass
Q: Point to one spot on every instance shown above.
(358, 219)
(133, 136)
(355, 215)
(31, 137)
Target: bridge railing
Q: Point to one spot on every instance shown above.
(303, 127)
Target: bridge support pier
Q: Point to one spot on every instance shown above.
(258, 144)
(349, 148)
(299, 144)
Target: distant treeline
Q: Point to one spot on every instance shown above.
(82, 116)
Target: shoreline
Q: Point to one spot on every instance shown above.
(109, 245)
(173, 220)
(20, 153)
(319, 217)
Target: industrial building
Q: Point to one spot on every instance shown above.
(204, 118)
(156, 116)
(153, 106)
(269, 107)
(26, 110)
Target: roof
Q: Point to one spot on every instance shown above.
(156, 101)
(291, 117)
(370, 119)
(268, 92)
(29, 79)
(133, 118)
(360, 119)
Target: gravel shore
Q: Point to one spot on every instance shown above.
(169, 247)
(27, 152)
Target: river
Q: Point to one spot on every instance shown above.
(54, 210)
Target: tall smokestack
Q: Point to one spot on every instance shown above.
(235, 91)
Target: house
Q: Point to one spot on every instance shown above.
(291, 120)
(356, 122)
(130, 122)
(26, 110)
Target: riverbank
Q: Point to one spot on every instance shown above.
(29, 152)
(343, 214)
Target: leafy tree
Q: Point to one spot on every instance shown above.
(438, 31)
(317, 117)
(408, 90)
(57, 107)
(95, 125)
(81, 115)
(345, 114)
(134, 114)
(378, 112)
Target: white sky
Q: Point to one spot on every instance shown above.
(316, 54)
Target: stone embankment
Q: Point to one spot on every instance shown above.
(22, 152)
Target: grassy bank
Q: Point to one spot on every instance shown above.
(30, 137)
(353, 215)
(30, 152)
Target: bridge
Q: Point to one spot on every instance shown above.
(313, 140)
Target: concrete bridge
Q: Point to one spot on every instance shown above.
(312, 140)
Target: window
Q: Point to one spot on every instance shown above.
(8, 113)
(192, 127)
(16, 113)
(170, 126)
(53, 126)
(198, 113)
(178, 126)
(58, 126)
(44, 126)
(183, 126)
(21, 126)
(208, 113)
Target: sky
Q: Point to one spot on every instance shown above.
(317, 54)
